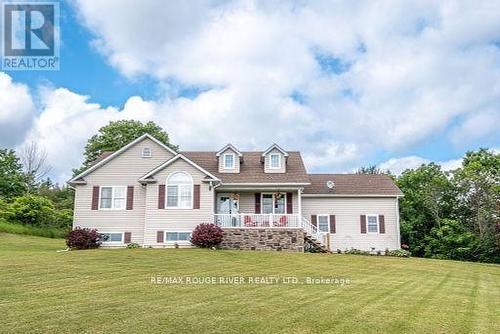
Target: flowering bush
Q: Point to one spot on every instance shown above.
(398, 253)
(83, 238)
(206, 235)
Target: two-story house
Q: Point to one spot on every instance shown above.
(146, 193)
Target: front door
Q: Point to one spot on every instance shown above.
(228, 204)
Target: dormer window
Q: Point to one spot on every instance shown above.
(275, 159)
(146, 152)
(229, 161)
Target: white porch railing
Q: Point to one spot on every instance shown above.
(270, 221)
(257, 220)
(312, 231)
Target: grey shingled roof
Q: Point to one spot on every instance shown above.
(252, 168)
(352, 184)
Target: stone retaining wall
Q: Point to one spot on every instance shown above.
(277, 239)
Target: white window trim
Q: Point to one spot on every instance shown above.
(271, 161)
(274, 204)
(150, 152)
(180, 242)
(224, 160)
(113, 198)
(190, 207)
(114, 242)
(327, 224)
(378, 223)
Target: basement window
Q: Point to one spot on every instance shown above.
(112, 237)
(177, 236)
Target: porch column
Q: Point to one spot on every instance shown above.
(299, 202)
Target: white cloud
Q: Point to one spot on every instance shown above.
(481, 125)
(402, 72)
(67, 120)
(399, 165)
(414, 70)
(16, 111)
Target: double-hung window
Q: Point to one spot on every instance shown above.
(113, 198)
(372, 223)
(229, 161)
(275, 160)
(323, 223)
(180, 191)
(273, 203)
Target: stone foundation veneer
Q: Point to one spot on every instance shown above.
(277, 239)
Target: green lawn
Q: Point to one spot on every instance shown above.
(104, 291)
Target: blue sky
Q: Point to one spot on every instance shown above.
(394, 84)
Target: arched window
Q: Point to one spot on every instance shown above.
(179, 190)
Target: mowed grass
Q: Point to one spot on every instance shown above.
(110, 291)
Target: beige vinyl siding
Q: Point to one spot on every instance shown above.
(347, 213)
(267, 162)
(176, 219)
(123, 170)
(236, 168)
(247, 202)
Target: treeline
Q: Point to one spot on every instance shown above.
(452, 215)
(29, 198)
(31, 204)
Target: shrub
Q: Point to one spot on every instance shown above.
(31, 210)
(63, 219)
(354, 251)
(133, 246)
(398, 253)
(83, 238)
(206, 235)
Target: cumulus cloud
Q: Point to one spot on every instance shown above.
(340, 81)
(388, 73)
(17, 111)
(67, 120)
(399, 165)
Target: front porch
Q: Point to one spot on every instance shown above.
(238, 220)
(266, 218)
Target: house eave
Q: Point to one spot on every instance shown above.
(120, 151)
(353, 195)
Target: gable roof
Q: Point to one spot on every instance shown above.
(275, 146)
(252, 169)
(113, 155)
(352, 184)
(231, 147)
(148, 176)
